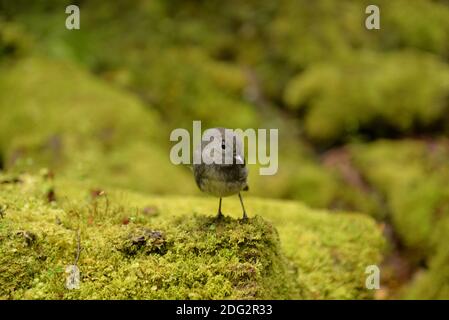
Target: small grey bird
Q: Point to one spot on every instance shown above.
(225, 178)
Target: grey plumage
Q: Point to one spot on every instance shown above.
(222, 179)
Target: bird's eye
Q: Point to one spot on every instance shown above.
(223, 145)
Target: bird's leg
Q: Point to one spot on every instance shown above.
(245, 217)
(219, 215)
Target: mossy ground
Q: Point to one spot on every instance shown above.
(96, 106)
(143, 247)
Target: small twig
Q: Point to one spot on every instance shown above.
(78, 249)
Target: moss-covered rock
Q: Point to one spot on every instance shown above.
(412, 175)
(135, 246)
(432, 282)
(370, 94)
(89, 111)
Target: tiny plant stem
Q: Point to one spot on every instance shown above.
(78, 248)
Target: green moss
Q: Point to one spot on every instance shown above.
(100, 117)
(88, 129)
(304, 39)
(370, 93)
(96, 132)
(199, 88)
(412, 175)
(285, 250)
(14, 42)
(433, 282)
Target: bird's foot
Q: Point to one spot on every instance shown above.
(219, 216)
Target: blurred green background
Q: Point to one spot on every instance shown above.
(362, 115)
